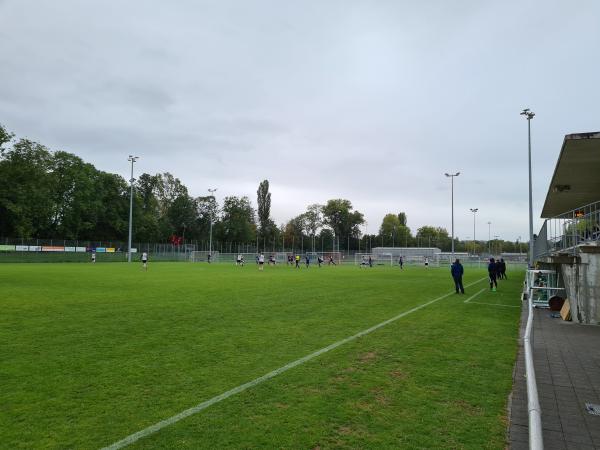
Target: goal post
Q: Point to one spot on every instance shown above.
(202, 256)
(379, 259)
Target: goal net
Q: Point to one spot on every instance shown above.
(202, 256)
(336, 257)
(379, 259)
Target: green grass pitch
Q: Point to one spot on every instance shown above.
(90, 354)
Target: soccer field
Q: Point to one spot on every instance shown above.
(91, 354)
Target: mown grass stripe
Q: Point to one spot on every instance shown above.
(236, 390)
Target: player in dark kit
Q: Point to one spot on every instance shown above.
(492, 273)
(457, 272)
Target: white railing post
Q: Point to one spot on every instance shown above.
(536, 441)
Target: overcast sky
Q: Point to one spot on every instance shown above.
(370, 101)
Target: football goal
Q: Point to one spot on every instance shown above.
(202, 256)
(380, 259)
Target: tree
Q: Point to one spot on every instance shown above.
(182, 215)
(237, 220)
(264, 206)
(25, 189)
(5, 137)
(74, 191)
(294, 231)
(402, 218)
(338, 215)
(393, 231)
(207, 211)
(438, 236)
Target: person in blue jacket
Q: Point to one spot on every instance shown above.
(457, 272)
(492, 270)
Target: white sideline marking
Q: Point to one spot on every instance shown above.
(242, 387)
(494, 304)
(474, 295)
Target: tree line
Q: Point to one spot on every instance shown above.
(56, 195)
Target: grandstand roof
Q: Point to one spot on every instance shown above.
(575, 181)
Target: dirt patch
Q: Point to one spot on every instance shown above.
(282, 405)
(398, 374)
(367, 357)
(470, 409)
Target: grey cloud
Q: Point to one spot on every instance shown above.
(368, 101)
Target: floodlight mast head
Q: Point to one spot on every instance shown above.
(528, 114)
(452, 174)
(474, 210)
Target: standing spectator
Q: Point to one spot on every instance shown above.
(503, 268)
(492, 274)
(457, 272)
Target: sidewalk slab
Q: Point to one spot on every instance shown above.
(567, 363)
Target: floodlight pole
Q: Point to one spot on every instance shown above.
(212, 193)
(474, 211)
(490, 237)
(529, 115)
(131, 180)
(451, 176)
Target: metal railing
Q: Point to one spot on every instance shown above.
(536, 441)
(565, 232)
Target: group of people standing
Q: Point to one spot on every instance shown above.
(496, 271)
(291, 260)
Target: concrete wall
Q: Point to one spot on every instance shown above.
(582, 283)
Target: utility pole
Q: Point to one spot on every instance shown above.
(131, 180)
(529, 115)
(474, 211)
(451, 176)
(212, 194)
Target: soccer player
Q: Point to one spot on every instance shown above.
(297, 261)
(145, 261)
(426, 262)
(401, 263)
(457, 273)
(364, 262)
(320, 260)
(93, 257)
(238, 261)
(492, 275)
(307, 258)
(209, 258)
(271, 259)
(370, 261)
(290, 260)
(331, 261)
(261, 261)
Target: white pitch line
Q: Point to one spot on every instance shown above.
(474, 295)
(494, 304)
(242, 387)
